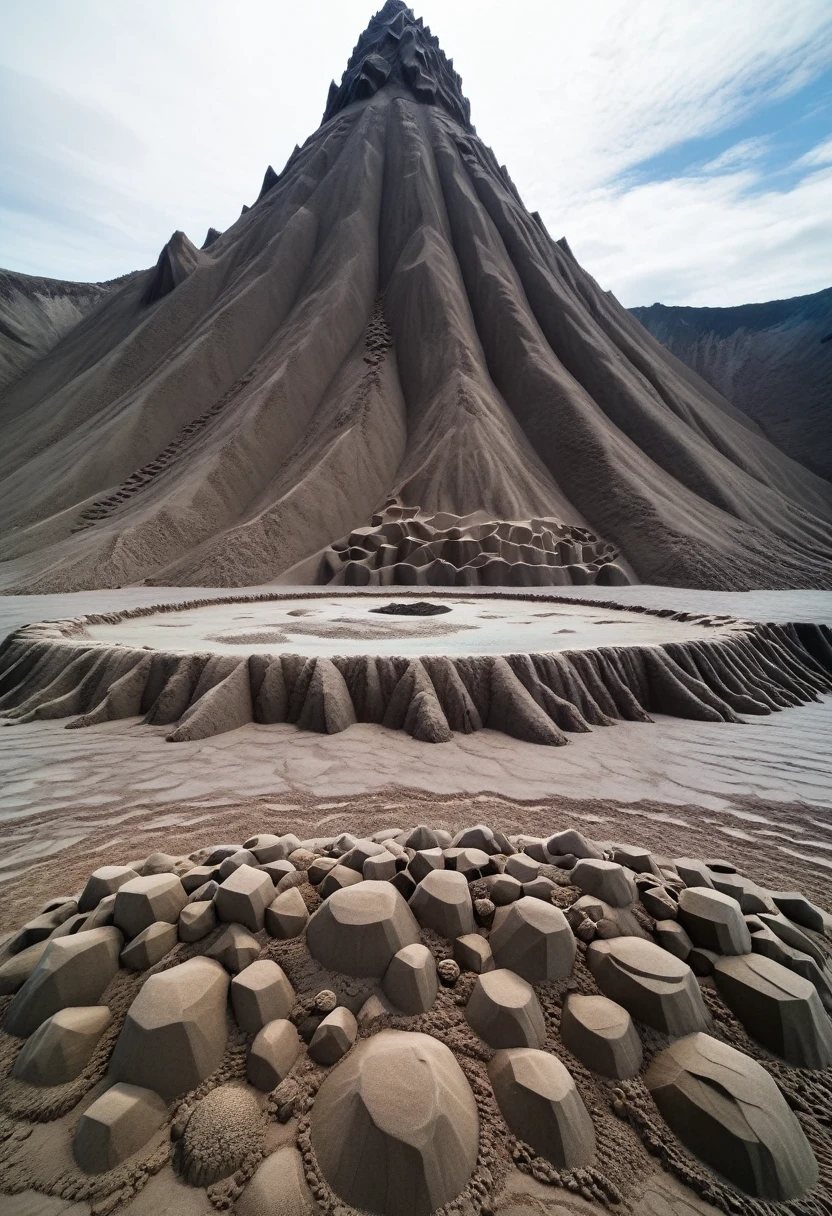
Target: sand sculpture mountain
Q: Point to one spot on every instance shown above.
(386, 371)
(773, 360)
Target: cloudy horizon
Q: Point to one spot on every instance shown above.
(687, 161)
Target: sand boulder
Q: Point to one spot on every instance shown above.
(602, 1035)
(272, 1054)
(150, 946)
(359, 929)
(605, 879)
(71, 971)
(714, 920)
(410, 980)
(534, 940)
(334, 1037)
(286, 915)
(504, 1010)
(243, 898)
(102, 882)
(143, 901)
(260, 994)
(442, 902)
(62, 1045)
(651, 984)
(278, 1188)
(777, 1007)
(541, 1105)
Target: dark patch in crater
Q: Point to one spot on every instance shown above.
(416, 608)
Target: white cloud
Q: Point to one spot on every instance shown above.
(743, 153)
(819, 155)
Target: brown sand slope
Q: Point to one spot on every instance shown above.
(773, 360)
(387, 321)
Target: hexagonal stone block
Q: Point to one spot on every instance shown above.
(534, 940)
(103, 914)
(541, 1105)
(605, 879)
(197, 920)
(420, 838)
(504, 1010)
(355, 857)
(380, 868)
(286, 916)
(672, 937)
(243, 857)
(72, 971)
(473, 953)
(650, 983)
(62, 1046)
(382, 1141)
(778, 1008)
(639, 860)
(503, 890)
(359, 929)
(334, 1037)
(272, 1054)
(659, 903)
(728, 1110)
(117, 1125)
(319, 869)
(714, 920)
(175, 1031)
(410, 981)
(102, 882)
(243, 898)
(280, 1175)
(260, 994)
(602, 1035)
(143, 901)
(150, 946)
(337, 879)
(424, 861)
(442, 902)
(197, 877)
(277, 870)
(235, 948)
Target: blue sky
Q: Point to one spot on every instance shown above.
(684, 147)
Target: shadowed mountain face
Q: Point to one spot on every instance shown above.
(772, 360)
(386, 371)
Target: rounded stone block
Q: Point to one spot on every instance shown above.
(115, 1126)
(395, 1126)
(601, 1035)
(534, 940)
(570, 841)
(272, 1054)
(103, 882)
(143, 901)
(359, 929)
(651, 984)
(150, 946)
(728, 1110)
(16, 970)
(714, 921)
(261, 993)
(605, 879)
(71, 971)
(287, 915)
(410, 981)
(337, 879)
(61, 1046)
(243, 897)
(175, 1031)
(777, 1007)
(278, 1188)
(424, 861)
(541, 1105)
(334, 1037)
(473, 953)
(442, 902)
(197, 920)
(504, 1011)
(235, 948)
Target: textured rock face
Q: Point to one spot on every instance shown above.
(714, 920)
(778, 1008)
(175, 1032)
(395, 1126)
(602, 1035)
(62, 1045)
(541, 1106)
(359, 929)
(504, 1010)
(117, 1125)
(224, 1128)
(651, 984)
(72, 971)
(728, 1110)
(534, 940)
(442, 902)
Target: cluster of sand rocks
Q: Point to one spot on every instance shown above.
(393, 1023)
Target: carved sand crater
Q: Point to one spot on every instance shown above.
(535, 667)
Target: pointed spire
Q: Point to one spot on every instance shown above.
(270, 179)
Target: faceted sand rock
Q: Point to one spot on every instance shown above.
(197, 920)
(103, 882)
(243, 898)
(778, 1008)
(672, 937)
(278, 1188)
(272, 1054)
(142, 901)
(175, 1032)
(259, 994)
(72, 971)
(542, 1107)
(653, 985)
(286, 916)
(573, 842)
(117, 1125)
(235, 948)
(728, 1110)
(714, 920)
(334, 1037)
(61, 1046)
(602, 1035)
(473, 953)
(442, 902)
(337, 879)
(16, 970)
(606, 879)
(533, 939)
(359, 929)
(150, 946)
(395, 1126)
(504, 1010)
(410, 981)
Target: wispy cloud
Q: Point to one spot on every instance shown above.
(819, 155)
(746, 152)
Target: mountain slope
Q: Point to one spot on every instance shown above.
(773, 360)
(387, 371)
